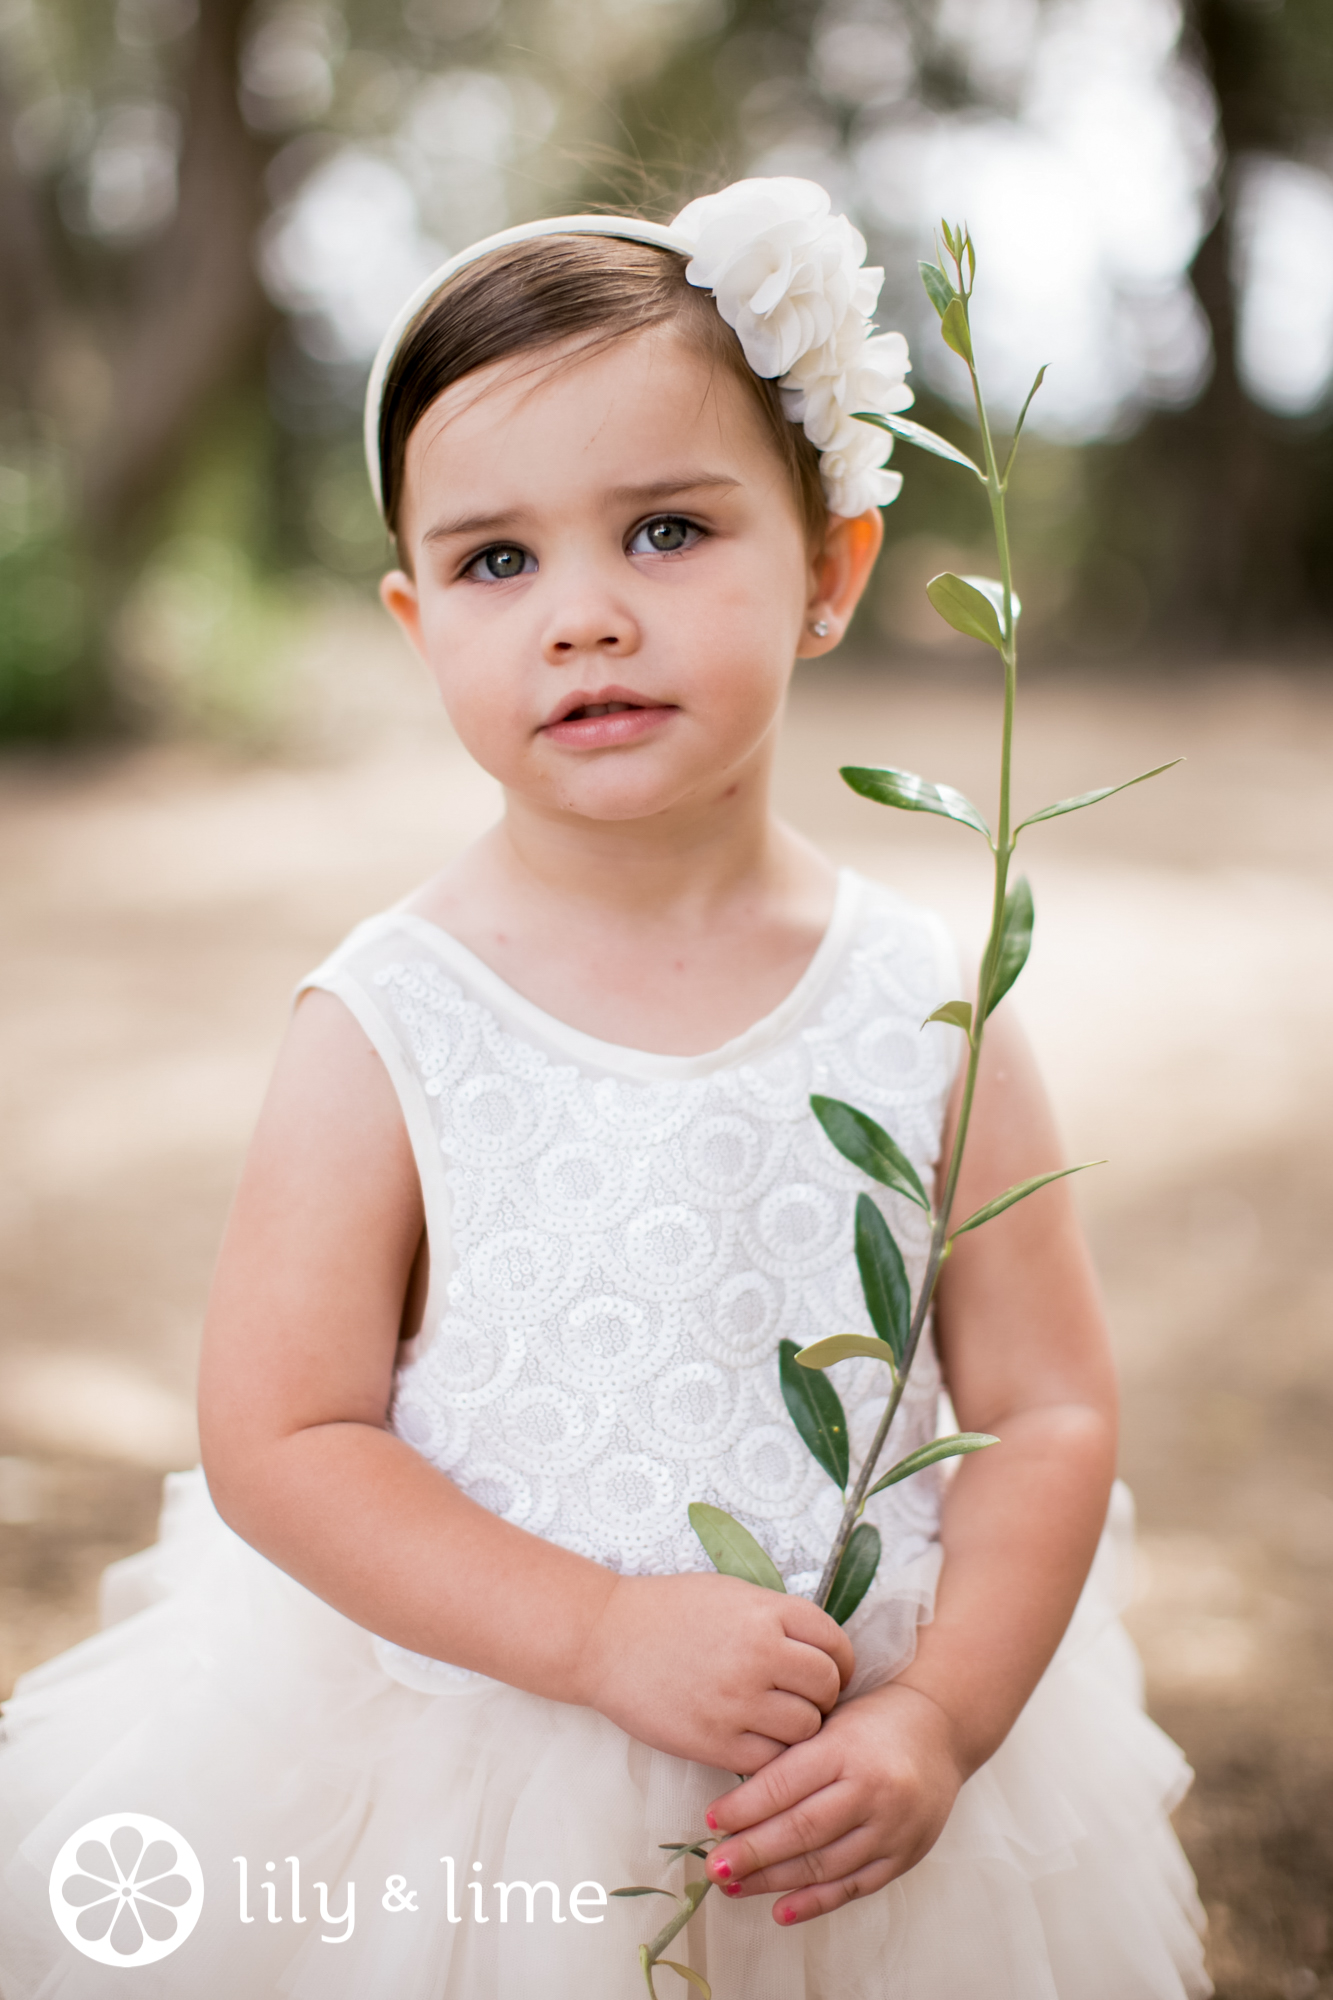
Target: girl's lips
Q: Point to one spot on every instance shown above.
(601, 732)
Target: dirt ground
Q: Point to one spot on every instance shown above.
(159, 904)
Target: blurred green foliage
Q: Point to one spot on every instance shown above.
(179, 404)
(48, 682)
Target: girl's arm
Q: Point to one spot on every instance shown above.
(299, 1347)
(1025, 1352)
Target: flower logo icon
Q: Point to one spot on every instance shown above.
(126, 1889)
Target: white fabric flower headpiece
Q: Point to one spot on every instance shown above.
(790, 278)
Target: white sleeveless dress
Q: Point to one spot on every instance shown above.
(619, 1240)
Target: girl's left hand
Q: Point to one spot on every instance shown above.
(839, 1816)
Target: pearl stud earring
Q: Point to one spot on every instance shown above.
(820, 628)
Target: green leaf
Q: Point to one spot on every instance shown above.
(931, 1454)
(679, 1847)
(732, 1548)
(869, 1147)
(956, 1013)
(846, 1347)
(815, 1407)
(923, 439)
(966, 608)
(954, 329)
(890, 787)
(856, 1572)
(1022, 418)
(938, 289)
(1019, 1193)
(644, 1892)
(695, 1978)
(888, 1294)
(991, 587)
(1015, 941)
(1092, 798)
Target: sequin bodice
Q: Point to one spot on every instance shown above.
(620, 1240)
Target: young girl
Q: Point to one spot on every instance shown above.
(434, 1660)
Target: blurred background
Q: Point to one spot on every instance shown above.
(215, 756)
(210, 208)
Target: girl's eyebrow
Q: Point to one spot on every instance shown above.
(474, 524)
(663, 489)
(689, 481)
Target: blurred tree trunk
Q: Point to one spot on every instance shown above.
(117, 354)
(196, 316)
(1220, 502)
(28, 282)
(176, 321)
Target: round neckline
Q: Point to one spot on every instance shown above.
(648, 1063)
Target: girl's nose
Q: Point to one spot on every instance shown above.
(587, 623)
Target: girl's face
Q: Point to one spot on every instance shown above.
(610, 578)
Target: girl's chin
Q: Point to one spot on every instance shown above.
(603, 797)
(657, 809)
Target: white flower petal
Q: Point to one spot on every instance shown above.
(790, 278)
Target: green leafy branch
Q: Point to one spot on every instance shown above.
(985, 609)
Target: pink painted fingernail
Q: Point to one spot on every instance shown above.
(731, 1888)
(722, 1870)
(784, 1915)
(710, 1821)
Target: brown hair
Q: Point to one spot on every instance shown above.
(555, 289)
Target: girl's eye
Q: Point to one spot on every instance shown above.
(497, 565)
(664, 537)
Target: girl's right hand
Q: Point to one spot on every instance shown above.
(714, 1669)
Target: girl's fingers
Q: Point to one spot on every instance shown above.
(750, 1752)
(804, 1768)
(800, 1905)
(803, 1830)
(788, 1717)
(805, 1621)
(808, 1671)
(842, 1856)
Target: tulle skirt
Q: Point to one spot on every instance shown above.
(338, 1816)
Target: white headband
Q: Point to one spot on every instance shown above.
(789, 278)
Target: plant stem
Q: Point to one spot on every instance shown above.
(1002, 847)
(650, 1953)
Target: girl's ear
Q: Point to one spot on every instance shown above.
(398, 595)
(838, 575)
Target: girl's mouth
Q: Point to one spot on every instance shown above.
(605, 719)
